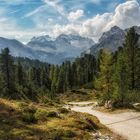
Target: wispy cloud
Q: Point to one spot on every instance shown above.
(23, 19)
(54, 4)
(37, 10)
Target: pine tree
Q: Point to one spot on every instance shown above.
(20, 76)
(45, 80)
(60, 85)
(103, 81)
(120, 79)
(137, 75)
(55, 75)
(131, 50)
(7, 69)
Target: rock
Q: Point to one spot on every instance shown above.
(108, 104)
(97, 135)
(136, 104)
(92, 123)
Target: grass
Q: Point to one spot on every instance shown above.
(78, 95)
(45, 121)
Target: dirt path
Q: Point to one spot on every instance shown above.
(126, 124)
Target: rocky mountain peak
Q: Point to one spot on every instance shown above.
(114, 32)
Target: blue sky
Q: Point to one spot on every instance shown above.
(22, 19)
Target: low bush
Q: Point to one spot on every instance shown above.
(133, 96)
(79, 92)
(63, 110)
(89, 85)
(69, 134)
(28, 114)
(60, 134)
(52, 114)
(41, 114)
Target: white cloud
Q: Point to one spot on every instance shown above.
(73, 16)
(125, 15)
(10, 29)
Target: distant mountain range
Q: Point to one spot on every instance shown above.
(47, 49)
(65, 47)
(110, 40)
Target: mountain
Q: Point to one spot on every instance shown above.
(68, 45)
(110, 40)
(47, 49)
(65, 47)
(17, 48)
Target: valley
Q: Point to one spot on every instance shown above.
(69, 70)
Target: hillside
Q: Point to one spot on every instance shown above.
(26, 120)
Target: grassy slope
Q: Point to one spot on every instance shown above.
(78, 95)
(51, 122)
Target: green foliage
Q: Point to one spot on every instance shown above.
(60, 134)
(7, 71)
(23, 78)
(126, 70)
(63, 110)
(52, 114)
(103, 81)
(131, 50)
(28, 114)
(41, 114)
(115, 75)
(119, 73)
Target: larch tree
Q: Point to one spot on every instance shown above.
(103, 82)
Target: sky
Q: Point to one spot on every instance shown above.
(23, 19)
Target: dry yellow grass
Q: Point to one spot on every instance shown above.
(67, 125)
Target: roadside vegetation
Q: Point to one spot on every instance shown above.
(34, 121)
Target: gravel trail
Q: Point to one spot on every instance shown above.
(126, 124)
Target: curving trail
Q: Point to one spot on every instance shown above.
(126, 124)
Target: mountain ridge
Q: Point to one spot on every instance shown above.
(47, 49)
(111, 40)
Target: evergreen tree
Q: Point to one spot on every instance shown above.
(45, 81)
(120, 79)
(60, 85)
(103, 81)
(20, 76)
(137, 75)
(131, 50)
(7, 69)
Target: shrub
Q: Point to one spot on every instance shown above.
(52, 114)
(133, 96)
(28, 114)
(69, 134)
(79, 92)
(55, 134)
(59, 134)
(29, 117)
(63, 110)
(89, 85)
(41, 114)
